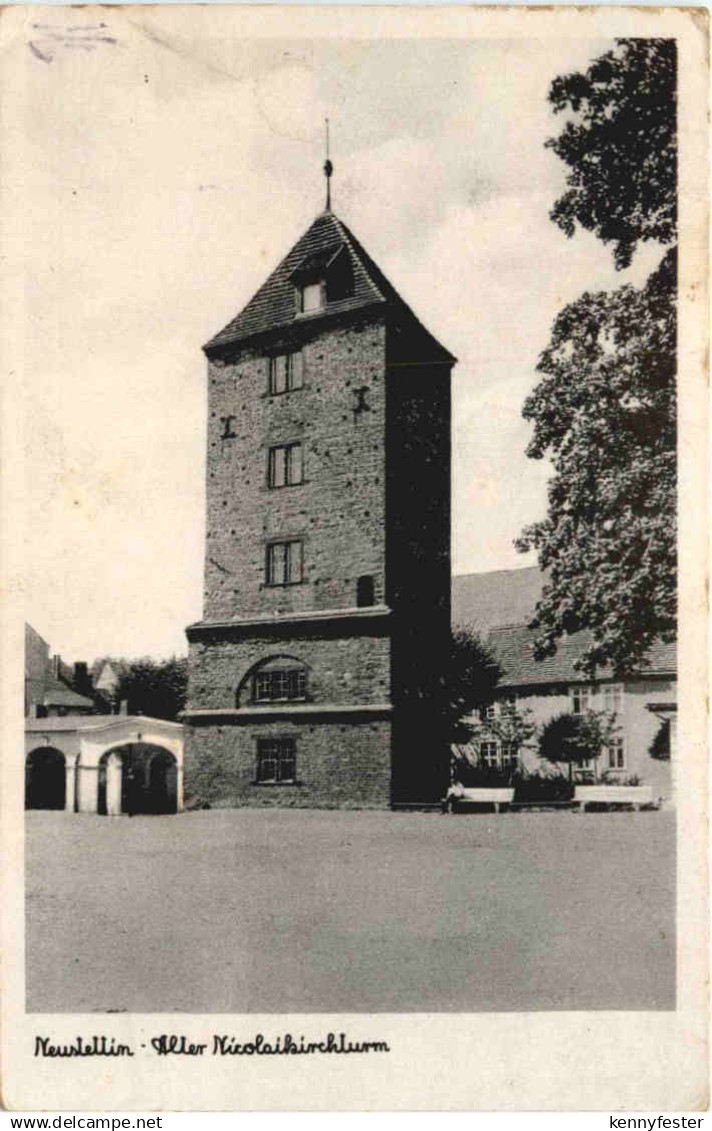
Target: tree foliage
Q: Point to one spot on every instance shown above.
(621, 146)
(156, 688)
(575, 739)
(604, 412)
(660, 746)
(513, 726)
(473, 677)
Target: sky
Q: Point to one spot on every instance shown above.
(164, 177)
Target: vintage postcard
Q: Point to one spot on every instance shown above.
(355, 538)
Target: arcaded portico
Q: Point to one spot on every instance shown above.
(106, 764)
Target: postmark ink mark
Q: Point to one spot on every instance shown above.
(48, 39)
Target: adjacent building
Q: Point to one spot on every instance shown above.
(50, 684)
(79, 761)
(315, 674)
(499, 605)
(105, 764)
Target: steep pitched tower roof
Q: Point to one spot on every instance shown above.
(327, 251)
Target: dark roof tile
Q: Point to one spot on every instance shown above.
(274, 306)
(57, 694)
(500, 604)
(513, 646)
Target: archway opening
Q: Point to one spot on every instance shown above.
(45, 779)
(138, 778)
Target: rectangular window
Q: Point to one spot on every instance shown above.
(279, 684)
(284, 563)
(311, 297)
(493, 755)
(510, 757)
(581, 700)
(276, 760)
(488, 712)
(286, 372)
(285, 466)
(615, 754)
(613, 698)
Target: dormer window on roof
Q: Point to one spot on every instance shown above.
(326, 271)
(322, 277)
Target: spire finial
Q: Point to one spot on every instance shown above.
(328, 168)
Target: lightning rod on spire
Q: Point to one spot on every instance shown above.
(328, 168)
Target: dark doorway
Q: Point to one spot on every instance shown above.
(45, 779)
(162, 792)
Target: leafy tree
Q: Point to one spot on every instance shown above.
(512, 726)
(605, 410)
(474, 674)
(575, 739)
(621, 146)
(154, 688)
(605, 414)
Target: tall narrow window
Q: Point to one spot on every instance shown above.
(613, 698)
(286, 372)
(285, 465)
(276, 760)
(488, 754)
(616, 754)
(581, 700)
(364, 591)
(284, 563)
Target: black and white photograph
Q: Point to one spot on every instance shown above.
(360, 604)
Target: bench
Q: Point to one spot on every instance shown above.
(478, 796)
(634, 795)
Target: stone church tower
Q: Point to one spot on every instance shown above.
(316, 675)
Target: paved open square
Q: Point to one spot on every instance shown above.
(332, 911)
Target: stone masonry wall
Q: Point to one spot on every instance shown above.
(337, 766)
(342, 670)
(339, 509)
(418, 575)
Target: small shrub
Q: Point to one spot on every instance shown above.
(660, 746)
(541, 788)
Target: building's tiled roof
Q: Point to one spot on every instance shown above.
(57, 694)
(513, 645)
(273, 306)
(501, 603)
(503, 596)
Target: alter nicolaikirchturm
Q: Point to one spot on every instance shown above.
(317, 672)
